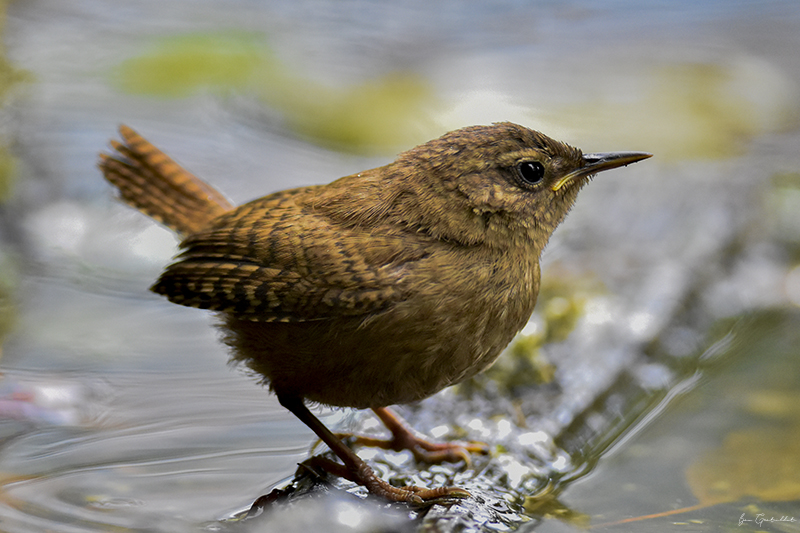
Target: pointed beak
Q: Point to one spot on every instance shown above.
(594, 163)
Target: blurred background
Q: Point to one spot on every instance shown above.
(660, 373)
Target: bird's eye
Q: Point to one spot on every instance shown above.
(530, 172)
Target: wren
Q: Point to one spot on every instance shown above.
(379, 288)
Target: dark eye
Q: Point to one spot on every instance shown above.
(530, 172)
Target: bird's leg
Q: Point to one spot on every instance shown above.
(425, 451)
(355, 469)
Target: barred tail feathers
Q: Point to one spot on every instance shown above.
(153, 183)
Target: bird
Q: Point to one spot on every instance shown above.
(379, 288)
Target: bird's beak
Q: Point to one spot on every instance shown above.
(594, 163)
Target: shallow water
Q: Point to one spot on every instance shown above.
(117, 409)
(724, 448)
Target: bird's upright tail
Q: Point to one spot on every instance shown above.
(149, 180)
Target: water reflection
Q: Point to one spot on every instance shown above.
(143, 447)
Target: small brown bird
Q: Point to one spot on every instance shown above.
(379, 288)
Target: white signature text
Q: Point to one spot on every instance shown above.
(760, 519)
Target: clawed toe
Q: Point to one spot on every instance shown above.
(425, 451)
(366, 477)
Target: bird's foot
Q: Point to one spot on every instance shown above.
(356, 470)
(366, 477)
(425, 451)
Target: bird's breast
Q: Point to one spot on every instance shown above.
(460, 319)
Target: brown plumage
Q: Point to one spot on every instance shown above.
(379, 288)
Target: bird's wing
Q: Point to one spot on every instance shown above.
(270, 261)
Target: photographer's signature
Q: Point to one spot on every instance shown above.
(760, 519)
